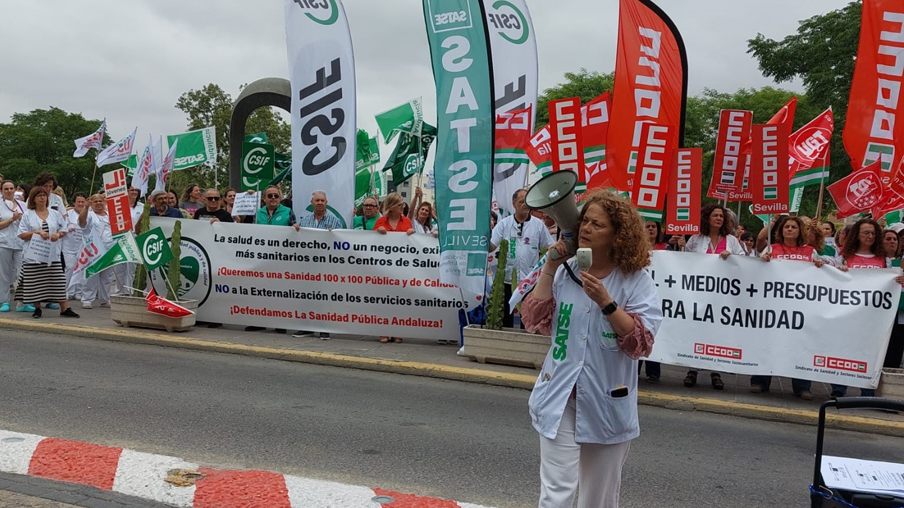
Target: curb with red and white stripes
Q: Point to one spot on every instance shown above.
(143, 475)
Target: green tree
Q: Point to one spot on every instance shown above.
(212, 106)
(584, 84)
(42, 140)
(822, 54)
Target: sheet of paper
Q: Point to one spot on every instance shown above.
(246, 204)
(40, 250)
(857, 475)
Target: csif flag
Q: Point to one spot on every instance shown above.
(685, 181)
(408, 117)
(410, 153)
(515, 89)
(94, 140)
(324, 122)
(650, 85)
(117, 152)
(457, 33)
(860, 191)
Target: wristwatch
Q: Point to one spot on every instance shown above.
(609, 309)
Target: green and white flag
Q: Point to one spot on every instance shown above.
(258, 161)
(195, 148)
(259, 137)
(410, 154)
(408, 117)
(125, 250)
(368, 152)
(456, 30)
(154, 249)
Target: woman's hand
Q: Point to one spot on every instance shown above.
(767, 256)
(16, 216)
(43, 235)
(843, 268)
(595, 290)
(559, 251)
(819, 263)
(410, 232)
(725, 254)
(900, 279)
(381, 230)
(436, 234)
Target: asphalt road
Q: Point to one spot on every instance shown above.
(429, 437)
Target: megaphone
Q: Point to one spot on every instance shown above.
(554, 195)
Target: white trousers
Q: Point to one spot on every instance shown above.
(10, 263)
(97, 288)
(70, 260)
(565, 465)
(125, 277)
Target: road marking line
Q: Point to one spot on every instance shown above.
(75, 462)
(16, 450)
(143, 475)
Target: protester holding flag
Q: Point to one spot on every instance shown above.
(73, 243)
(11, 245)
(191, 199)
(862, 249)
(790, 245)
(94, 220)
(370, 212)
(584, 403)
(42, 278)
(421, 215)
(273, 212)
(714, 238)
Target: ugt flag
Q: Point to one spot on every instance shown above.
(94, 140)
(118, 151)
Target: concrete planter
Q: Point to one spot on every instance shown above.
(506, 346)
(891, 384)
(133, 311)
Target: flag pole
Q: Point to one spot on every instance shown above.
(822, 186)
(94, 174)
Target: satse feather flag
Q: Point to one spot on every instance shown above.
(118, 151)
(94, 140)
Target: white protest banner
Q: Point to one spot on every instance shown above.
(340, 281)
(41, 251)
(785, 318)
(324, 126)
(246, 204)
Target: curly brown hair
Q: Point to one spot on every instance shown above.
(813, 236)
(704, 220)
(852, 240)
(630, 251)
(802, 229)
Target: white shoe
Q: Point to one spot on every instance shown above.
(105, 304)
(301, 334)
(87, 305)
(461, 351)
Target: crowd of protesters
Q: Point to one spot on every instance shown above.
(32, 216)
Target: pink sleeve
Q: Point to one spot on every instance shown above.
(637, 343)
(536, 315)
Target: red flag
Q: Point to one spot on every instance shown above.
(651, 181)
(859, 191)
(539, 150)
(513, 129)
(164, 307)
(567, 138)
(810, 143)
(729, 161)
(769, 168)
(595, 129)
(650, 85)
(872, 127)
(685, 181)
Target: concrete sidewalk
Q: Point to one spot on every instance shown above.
(423, 357)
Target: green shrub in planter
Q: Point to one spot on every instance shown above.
(174, 270)
(495, 303)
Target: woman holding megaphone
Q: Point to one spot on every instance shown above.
(584, 403)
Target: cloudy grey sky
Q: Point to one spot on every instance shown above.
(130, 60)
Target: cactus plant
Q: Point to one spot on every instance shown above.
(174, 270)
(144, 225)
(495, 303)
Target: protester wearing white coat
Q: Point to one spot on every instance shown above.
(584, 403)
(11, 211)
(97, 288)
